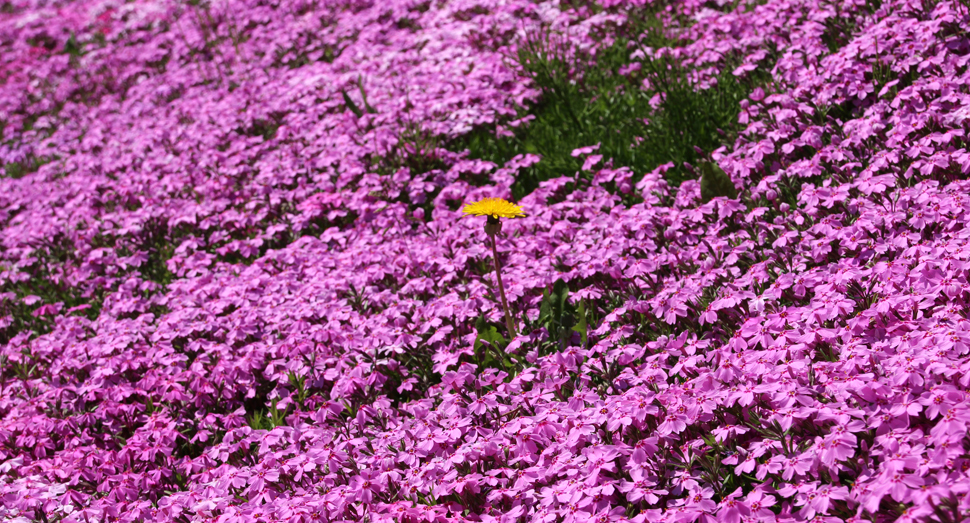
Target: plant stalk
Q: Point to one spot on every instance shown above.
(501, 289)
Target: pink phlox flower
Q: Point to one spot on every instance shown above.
(725, 432)
(760, 503)
(939, 401)
(641, 487)
(591, 161)
(731, 509)
(259, 478)
(700, 500)
(600, 458)
(584, 150)
(841, 443)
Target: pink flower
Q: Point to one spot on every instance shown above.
(731, 509)
(366, 485)
(760, 504)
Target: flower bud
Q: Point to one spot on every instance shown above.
(493, 226)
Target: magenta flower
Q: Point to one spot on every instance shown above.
(732, 510)
(233, 286)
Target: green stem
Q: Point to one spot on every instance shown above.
(501, 290)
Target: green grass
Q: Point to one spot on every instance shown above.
(585, 100)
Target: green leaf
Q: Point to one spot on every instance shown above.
(561, 291)
(545, 309)
(581, 327)
(351, 105)
(298, 383)
(363, 96)
(277, 416)
(715, 182)
(72, 47)
(711, 442)
(487, 333)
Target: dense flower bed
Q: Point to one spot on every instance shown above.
(236, 284)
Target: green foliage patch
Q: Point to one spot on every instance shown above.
(643, 112)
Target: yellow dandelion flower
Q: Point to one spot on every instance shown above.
(494, 208)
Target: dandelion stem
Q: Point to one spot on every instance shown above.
(501, 289)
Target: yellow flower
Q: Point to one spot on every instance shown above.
(494, 208)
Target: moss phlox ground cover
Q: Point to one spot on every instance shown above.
(237, 284)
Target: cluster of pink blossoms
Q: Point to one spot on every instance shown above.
(236, 286)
